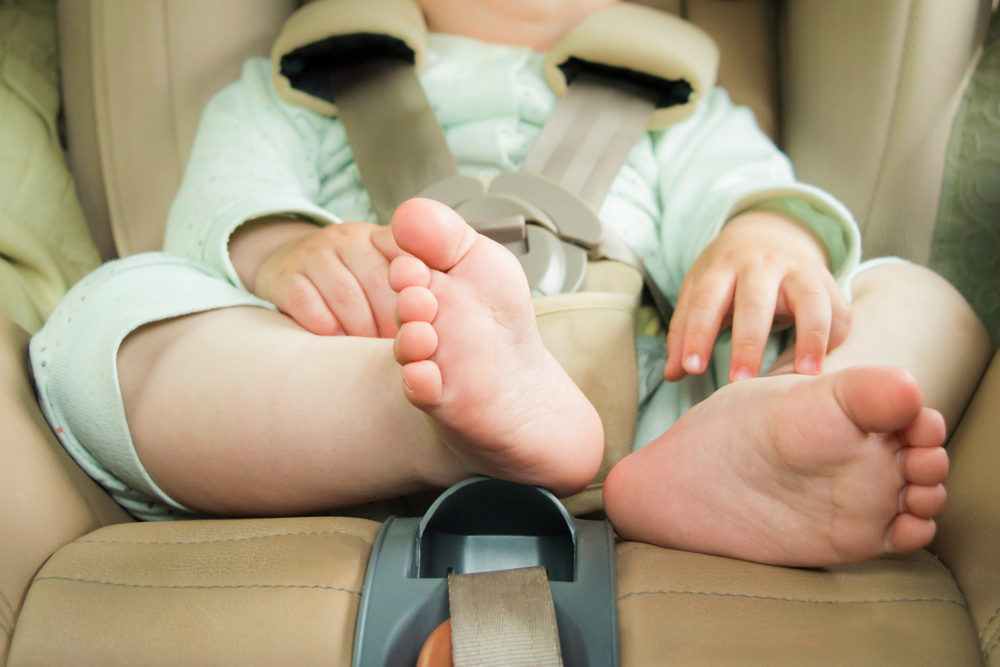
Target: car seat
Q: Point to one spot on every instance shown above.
(81, 583)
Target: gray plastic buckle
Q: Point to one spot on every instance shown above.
(484, 525)
(560, 231)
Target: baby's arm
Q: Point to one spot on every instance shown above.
(252, 206)
(713, 255)
(254, 157)
(762, 269)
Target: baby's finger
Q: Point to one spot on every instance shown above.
(371, 271)
(385, 243)
(344, 296)
(753, 316)
(674, 370)
(841, 324)
(300, 300)
(810, 303)
(709, 303)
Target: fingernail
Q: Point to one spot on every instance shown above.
(743, 373)
(808, 364)
(692, 363)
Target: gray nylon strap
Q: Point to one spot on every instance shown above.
(503, 619)
(400, 148)
(583, 146)
(589, 135)
(396, 139)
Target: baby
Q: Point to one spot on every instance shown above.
(310, 367)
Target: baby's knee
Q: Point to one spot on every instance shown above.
(918, 288)
(904, 279)
(901, 276)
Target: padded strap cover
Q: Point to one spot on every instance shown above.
(318, 21)
(643, 41)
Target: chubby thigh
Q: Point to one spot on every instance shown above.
(182, 394)
(74, 363)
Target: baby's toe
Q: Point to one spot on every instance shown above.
(927, 430)
(406, 271)
(925, 502)
(924, 466)
(432, 232)
(416, 304)
(908, 533)
(415, 341)
(422, 383)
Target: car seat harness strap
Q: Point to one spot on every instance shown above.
(618, 73)
(395, 137)
(515, 605)
(622, 71)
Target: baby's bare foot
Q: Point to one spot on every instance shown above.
(791, 470)
(473, 360)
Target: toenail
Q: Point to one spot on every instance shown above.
(887, 543)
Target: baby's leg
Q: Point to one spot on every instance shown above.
(241, 411)
(472, 357)
(905, 315)
(813, 471)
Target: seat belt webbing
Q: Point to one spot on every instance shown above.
(503, 619)
(589, 135)
(396, 139)
(584, 144)
(400, 148)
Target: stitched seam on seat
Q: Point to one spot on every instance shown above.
(989, 621)
(631, 548)
(200, 586)
(788, 599)
(894, 113)
(952, 577)
(988, 648)
(229, 539)
(169, 54)
(935, 565)
(9, 616)
(7, 603)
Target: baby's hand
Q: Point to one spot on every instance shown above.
(334, 280)
(763, 269)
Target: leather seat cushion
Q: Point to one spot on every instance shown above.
(695, 609)
(286, 591)
(261, 591)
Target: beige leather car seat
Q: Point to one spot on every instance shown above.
(868, 83)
